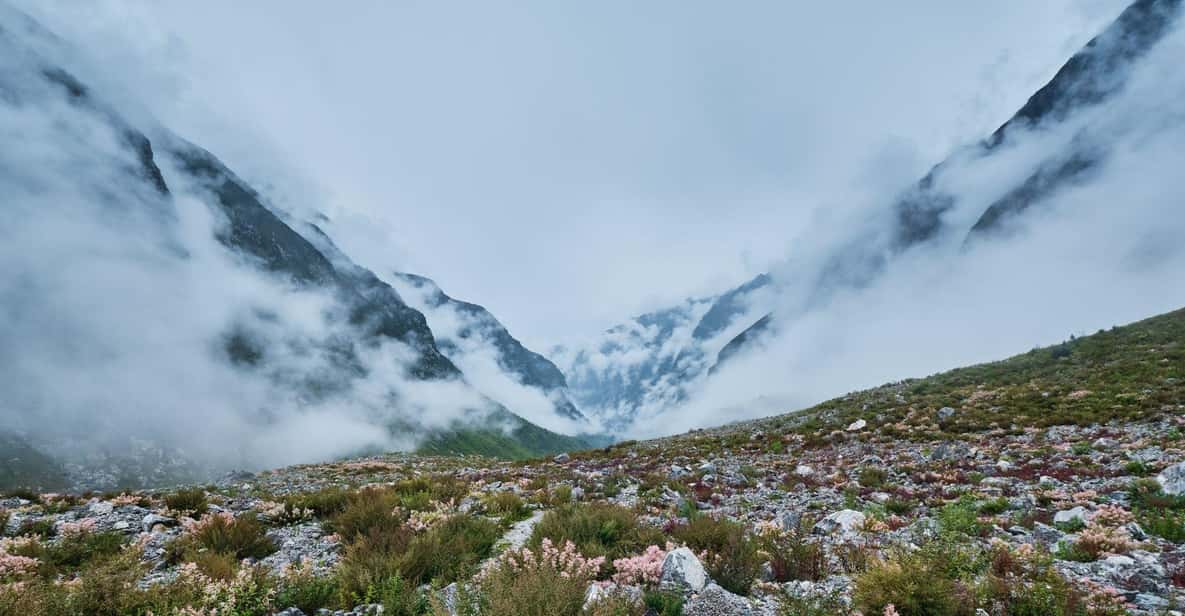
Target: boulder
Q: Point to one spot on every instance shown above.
(857, 425)
(1068, 516)
(562, 458)
(1172, 479)
(846, 522)
(153, 520)
(682, 571)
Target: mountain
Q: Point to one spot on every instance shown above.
(161, 277)
(1060, 140)
(472, 338)
(646, 364)
(1088, 80)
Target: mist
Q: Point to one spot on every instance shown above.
(118, 304)
(1104, 251)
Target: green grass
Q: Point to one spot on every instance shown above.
(507, 436)
(1131, 372)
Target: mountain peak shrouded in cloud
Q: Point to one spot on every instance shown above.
(1106, 102)
(151, 295)
(492, 359)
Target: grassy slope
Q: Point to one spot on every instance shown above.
(505, 436)
(1131, 372)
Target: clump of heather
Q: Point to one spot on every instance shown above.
(644, 569)
(548, 580)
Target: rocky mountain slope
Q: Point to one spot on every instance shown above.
(1049, 483)
(196, 293)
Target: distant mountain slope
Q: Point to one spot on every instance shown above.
(1132, 372)
(471, 337)
(228, 348)
(1087, 80)
(646, 363)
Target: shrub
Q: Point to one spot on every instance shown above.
(544, 581)
(366, 511)
(189, 501)
(793, 556)
(449, 551)
(369, 561)
(597, 529)
(74, 550)
(1023, 582)
(663, 603)
(1168, 525)
(1147, 494)
(42, 528)
(960, 517)
(915, 583)
(302, 588)
(994, 506)
(730, 556)
(399, 598)
(508, 505)
(872, 477)
(446, 552)
(243, 537)
(324, 503)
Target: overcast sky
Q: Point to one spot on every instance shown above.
(568, 164)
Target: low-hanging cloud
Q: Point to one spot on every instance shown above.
(1103, 250)
(118, 303)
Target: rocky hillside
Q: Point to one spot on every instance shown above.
(1049, 483)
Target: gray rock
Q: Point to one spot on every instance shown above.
(857, 425)
(154, 520)
(597, 593)
(1068, 516)
(715, 601)
(682, 571)
(945, 413)
(1172, 479)
(562, 458)
(847, 523)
